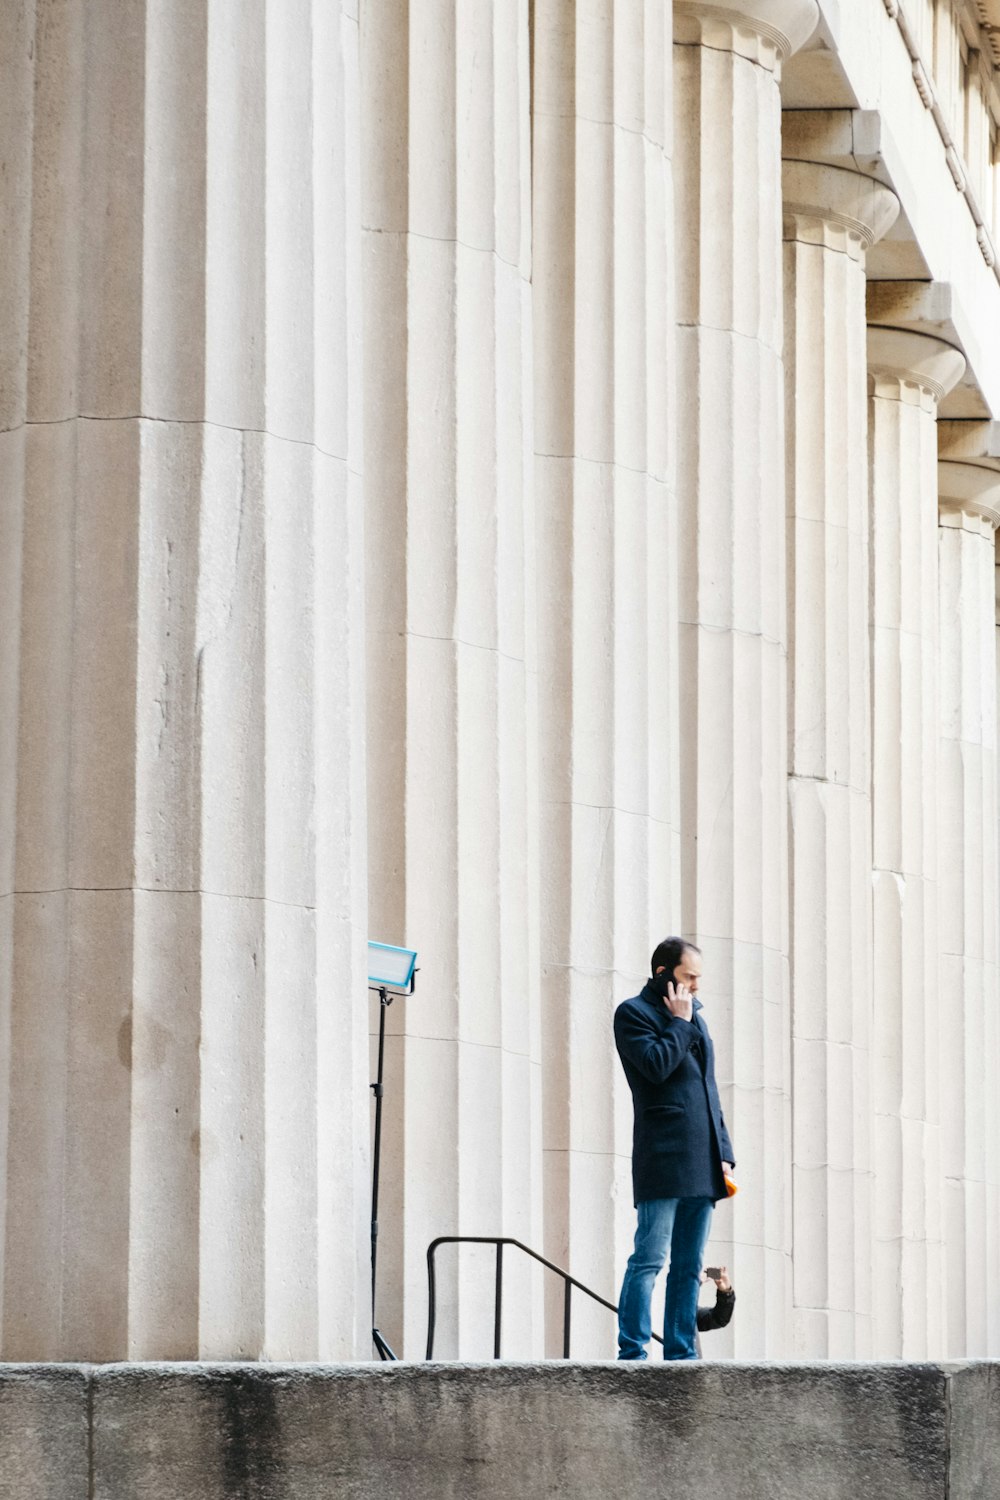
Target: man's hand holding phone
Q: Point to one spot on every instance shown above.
(679, 1001)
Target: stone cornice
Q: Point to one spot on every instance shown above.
(763, 31)
(970, 442)
(842, 210)
(912, 367)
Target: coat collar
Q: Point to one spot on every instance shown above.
(652, 997)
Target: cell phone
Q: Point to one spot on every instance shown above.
(713, 1272)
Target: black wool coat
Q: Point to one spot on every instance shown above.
(679, 1139)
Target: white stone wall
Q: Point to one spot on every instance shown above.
(448, 495)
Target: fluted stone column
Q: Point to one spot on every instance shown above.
(831, 217)
(607, 601)
(969, 508)
(731, 544)
(992, 1029)
(181, 788)
(451, 763)
(908, 375)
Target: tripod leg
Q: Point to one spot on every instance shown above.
(384, 1351)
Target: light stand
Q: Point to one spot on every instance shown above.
(385, 1000)
(389, 969)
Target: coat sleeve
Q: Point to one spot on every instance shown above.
(725, 1142)
(719, 1315)
(651, 1053)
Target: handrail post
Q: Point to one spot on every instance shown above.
(431, 1298)
(567, 1293)
(498, 1304)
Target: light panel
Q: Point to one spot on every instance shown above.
(391, 967)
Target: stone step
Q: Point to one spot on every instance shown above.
(486, 1432)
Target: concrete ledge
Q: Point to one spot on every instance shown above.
(974, 1431)
(468, 1432)
(44, 1432)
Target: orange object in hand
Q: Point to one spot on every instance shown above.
(731, 1186)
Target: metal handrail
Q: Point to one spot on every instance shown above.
(499, 1240)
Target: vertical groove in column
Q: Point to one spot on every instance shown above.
(732, 611)
(384, 100)
(597, 490)
(16, 187)
(340, 698)
(12, 495)
(606, 580)
(57, 136)
(969, 500)
(297, 487)
(992, 1028)
(554, 221)
(828, 753)
(71, 945)
(40, 901)
(908, 374)
(166, 1023)
(190, 813)
(50, 128)
(234, 605)
(449, 570)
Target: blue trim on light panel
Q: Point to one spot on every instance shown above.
(396, 983)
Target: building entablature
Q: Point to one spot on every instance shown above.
(909, 94)
(933, 308)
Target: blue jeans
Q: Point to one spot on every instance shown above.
(680, 1224)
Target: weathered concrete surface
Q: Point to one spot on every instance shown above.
(460, 1432)
(468, 1432)
(974, 1431)
(43, 1432)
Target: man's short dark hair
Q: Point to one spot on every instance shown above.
(668, 954)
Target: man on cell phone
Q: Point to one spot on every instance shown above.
(681, 1152)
